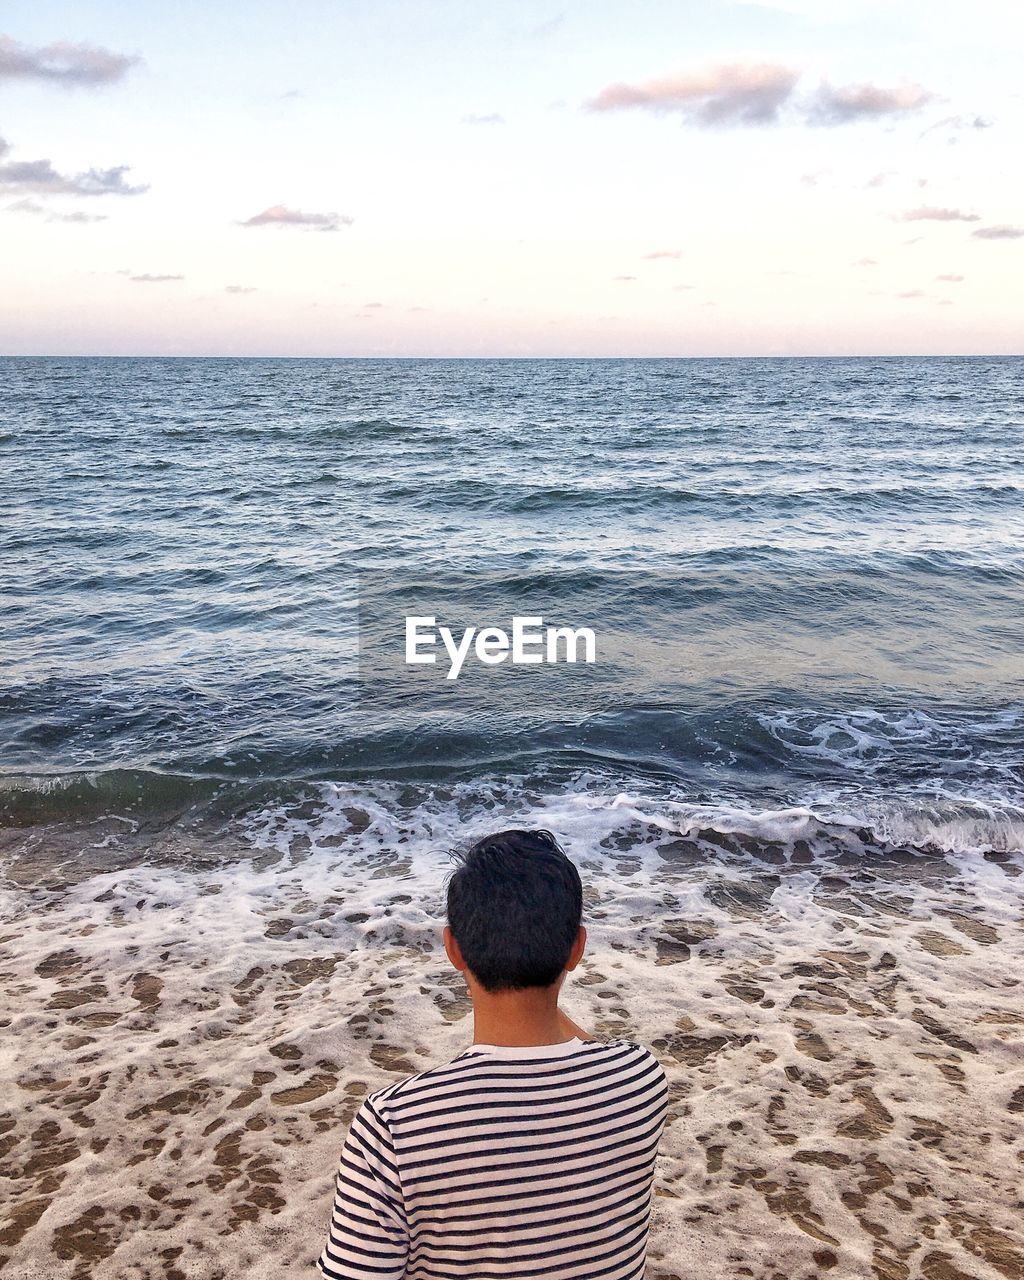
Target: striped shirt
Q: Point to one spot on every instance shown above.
(527, 1161)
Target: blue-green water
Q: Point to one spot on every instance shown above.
(810, 574)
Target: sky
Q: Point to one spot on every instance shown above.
(451, 178)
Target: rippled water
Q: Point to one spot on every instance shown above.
(814, 569)
(793, 783)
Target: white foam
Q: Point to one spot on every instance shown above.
(327, 940)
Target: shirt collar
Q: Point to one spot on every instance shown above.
(560, 1050)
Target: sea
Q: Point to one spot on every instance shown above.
(793, 779)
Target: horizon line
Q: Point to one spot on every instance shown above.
(809, 355)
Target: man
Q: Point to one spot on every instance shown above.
(531, 1153)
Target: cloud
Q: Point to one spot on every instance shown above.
(546, 28)
(39, 177)
(755, 93)
(493, 118)
(846, 104)
(733, 93)
(663, 253)
(957, 123)
(911, 293)
(25, 206)
(999, 233)
(930, 213)
(880, 179)
(77, 215)
(239, 288)
(146, 278)
(35, 208)
(63, 63)
(280, 216)
(623, 277)
(950, 278)
(866, 262)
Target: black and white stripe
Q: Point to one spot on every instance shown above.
(534, 1161)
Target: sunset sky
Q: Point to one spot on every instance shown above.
(440, 177)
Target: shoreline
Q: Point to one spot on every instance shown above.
(844, 1041)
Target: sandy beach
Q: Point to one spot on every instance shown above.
(185, 1041)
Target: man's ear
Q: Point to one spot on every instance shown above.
(451, 950)
(578, 947)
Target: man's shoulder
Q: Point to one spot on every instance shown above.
(439, 1076)
(640, 1051)
(621, 1043)
(634, 1057)
(446, 1077)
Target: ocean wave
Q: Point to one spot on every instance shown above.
(854, 821)
(868, 739)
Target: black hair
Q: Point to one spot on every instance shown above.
(515, 903)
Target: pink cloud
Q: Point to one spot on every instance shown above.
(278, 215)
(63, 63)
(754, 93)
(843, 104)
(734, 93)
(929, 213)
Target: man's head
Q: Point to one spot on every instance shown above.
(515, 903)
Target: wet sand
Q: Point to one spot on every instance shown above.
(184, 1043)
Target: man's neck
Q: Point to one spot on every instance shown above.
(519, 1018)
